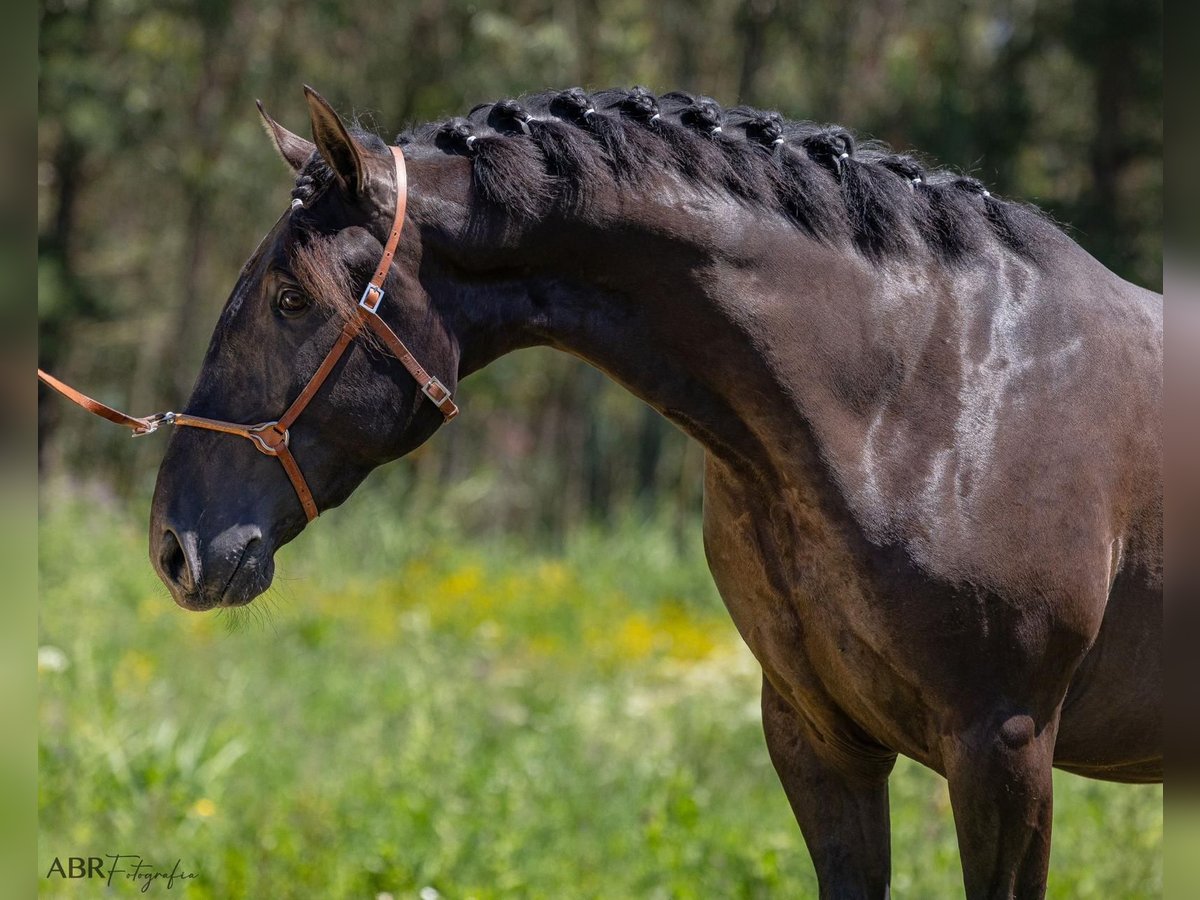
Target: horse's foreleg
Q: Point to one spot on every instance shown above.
(999, 772)
(843, 814)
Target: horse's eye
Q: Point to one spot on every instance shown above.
(292, 302)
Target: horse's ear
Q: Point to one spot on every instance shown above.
(294, 149)
(339, 149)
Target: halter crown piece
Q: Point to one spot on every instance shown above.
(272, 437)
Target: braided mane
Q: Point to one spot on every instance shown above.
(549, 150)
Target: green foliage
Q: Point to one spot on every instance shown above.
(477, 718)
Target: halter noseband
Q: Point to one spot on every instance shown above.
(272, 437)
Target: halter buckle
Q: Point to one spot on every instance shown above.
(371, 297)
(437, 392)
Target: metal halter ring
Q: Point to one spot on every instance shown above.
(256, 436)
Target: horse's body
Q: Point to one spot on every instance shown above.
(933, 478)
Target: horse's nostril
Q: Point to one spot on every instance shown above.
(174, 562)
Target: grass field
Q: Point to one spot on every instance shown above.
(414, 714)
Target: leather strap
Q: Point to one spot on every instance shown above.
(437, 393)
(393, 238)
(271, 438)
(349, 332)
(368, 305)
(303, 494)
(138, 424)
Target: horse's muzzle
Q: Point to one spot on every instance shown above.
(229, 569)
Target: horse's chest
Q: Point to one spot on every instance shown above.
(799, 601)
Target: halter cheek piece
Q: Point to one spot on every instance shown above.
(272, 437)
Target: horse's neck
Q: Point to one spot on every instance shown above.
(740, 330)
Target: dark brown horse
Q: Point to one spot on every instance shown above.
(932, 422)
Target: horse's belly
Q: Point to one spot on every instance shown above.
(1112, 723)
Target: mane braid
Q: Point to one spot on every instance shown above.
(549, 151)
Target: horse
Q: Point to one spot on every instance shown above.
(931, 423)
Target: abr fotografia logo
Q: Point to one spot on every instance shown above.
(127, 866)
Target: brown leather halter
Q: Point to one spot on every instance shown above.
(272, 437)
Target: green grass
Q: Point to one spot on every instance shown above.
(421, 711)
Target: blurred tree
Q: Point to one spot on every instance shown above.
(1119, 45)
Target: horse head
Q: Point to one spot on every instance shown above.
(222, 507)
